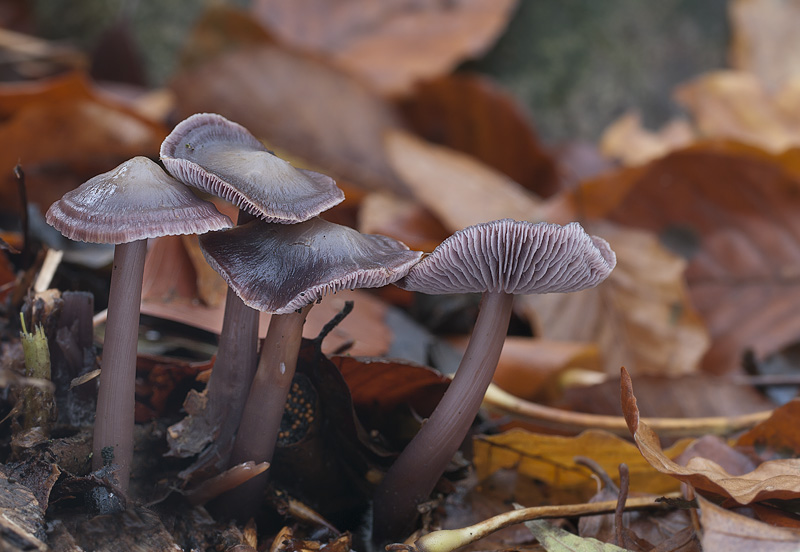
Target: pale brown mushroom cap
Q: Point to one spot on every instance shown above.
(135, 201)
(280, 268)
(513, 257)
(216, 155)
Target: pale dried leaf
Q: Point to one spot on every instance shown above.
(641, 317)
(765, 39)
(629, 142)
(730, 104)
(299, 104)
(390, 43)
(726, 531)
(458, 189)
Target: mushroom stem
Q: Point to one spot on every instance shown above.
(114, 418)
(261, 417)
(414, 474)
(233, 370)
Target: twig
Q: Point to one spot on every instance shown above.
(500, 401)
(451, 539)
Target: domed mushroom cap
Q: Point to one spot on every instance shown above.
(280, 268)
(218, 156)
(513, 257)
(135, 201)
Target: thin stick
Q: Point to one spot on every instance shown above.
(500, 401)
(451, 539)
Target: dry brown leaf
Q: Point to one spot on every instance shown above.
(392, 43)
(629, 142)
(402, 219)
(472, 114)
(457, 188)
(779, 434)
(765, 40)
(734, 105)
(532, 369)
(549, 458)
(776, 479)
(170, 291)
(296, 103)
(641, 317)
(726, 531)
(731, 211)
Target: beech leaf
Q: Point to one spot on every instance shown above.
(776, 479)
(554, 539)
(392, 43)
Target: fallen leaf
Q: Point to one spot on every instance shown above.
(549, 458)
(628, 141)
(764, 39)
(532, 369)
(472, 114)
(393, 43)
(776, 479)
(402, 219)
(380, 384)
(740, 239)
(778, 435)
(554, 539)
(63, 132)
(728, 531)
(734, 105)
(296, 102)
(640, 317)
(457, 188)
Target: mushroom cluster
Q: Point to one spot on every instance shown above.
(281, 258)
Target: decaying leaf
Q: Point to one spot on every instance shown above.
(726, 531)
(393, 43)
(776, 479)
(549, 458)
(641, 317)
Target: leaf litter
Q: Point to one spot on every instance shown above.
(706, 277)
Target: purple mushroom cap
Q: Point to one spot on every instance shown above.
(218, 156)
(513, 257)
(280, 268)
(135, 201)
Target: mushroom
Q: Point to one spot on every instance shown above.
(284, 269)
(498, 259)
(223, 158)
(126, 206)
